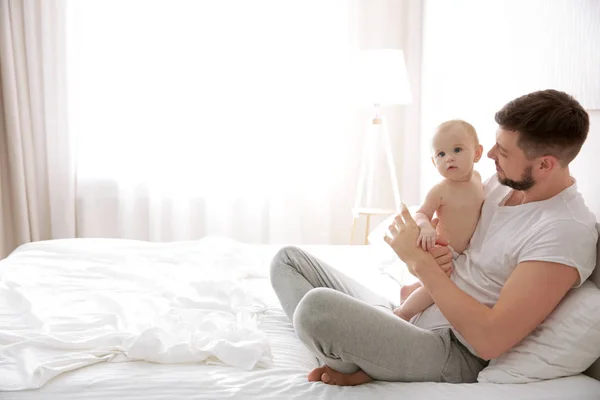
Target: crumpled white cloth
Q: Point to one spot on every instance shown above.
(68, 304)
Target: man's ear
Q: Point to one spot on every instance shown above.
(478, 152)
(548, 163)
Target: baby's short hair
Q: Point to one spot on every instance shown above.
(467, 127)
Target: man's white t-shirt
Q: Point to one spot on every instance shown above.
(561, 229)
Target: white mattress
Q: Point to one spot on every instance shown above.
(286, 377)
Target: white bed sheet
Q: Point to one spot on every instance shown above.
(286, 377)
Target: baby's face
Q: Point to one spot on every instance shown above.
(454, 152)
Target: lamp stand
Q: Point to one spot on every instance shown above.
(363, 202)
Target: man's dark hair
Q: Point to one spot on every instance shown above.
(549, 122)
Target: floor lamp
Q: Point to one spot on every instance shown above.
(383, 82)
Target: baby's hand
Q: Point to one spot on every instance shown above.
(427, 238)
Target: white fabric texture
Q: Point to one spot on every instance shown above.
(565, 344)
(68, 304)
(286, 376)
(37, 175)
(560, 229)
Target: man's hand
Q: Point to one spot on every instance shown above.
(404, 233)
(443, 256)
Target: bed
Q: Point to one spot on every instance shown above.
(60, 267)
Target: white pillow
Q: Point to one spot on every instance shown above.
(594, 370)
(565, 344)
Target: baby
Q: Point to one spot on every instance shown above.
(457, 200)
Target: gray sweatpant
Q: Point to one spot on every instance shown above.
(349, 327)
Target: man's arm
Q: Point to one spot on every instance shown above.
(529, 295)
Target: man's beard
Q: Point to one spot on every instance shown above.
(525, 183)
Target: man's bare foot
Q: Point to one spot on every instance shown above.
(316, 374)
(332, 377)
(406, 290)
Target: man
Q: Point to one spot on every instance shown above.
(535, 240)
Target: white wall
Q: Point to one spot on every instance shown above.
(585, 167)
(478, 55)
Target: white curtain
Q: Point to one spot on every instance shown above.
(37, 175)
(223, 117)
(172, 120)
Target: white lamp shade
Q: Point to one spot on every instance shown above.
(382, 77)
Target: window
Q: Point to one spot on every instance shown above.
(192, 96)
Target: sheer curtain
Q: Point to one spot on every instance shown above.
(37, 173)
(226, 117)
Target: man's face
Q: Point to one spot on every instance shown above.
(513, 167)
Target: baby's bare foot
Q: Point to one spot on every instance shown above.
(398, 312)
(406, 290)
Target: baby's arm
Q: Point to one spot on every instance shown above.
(423, 216)
(418, 301)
